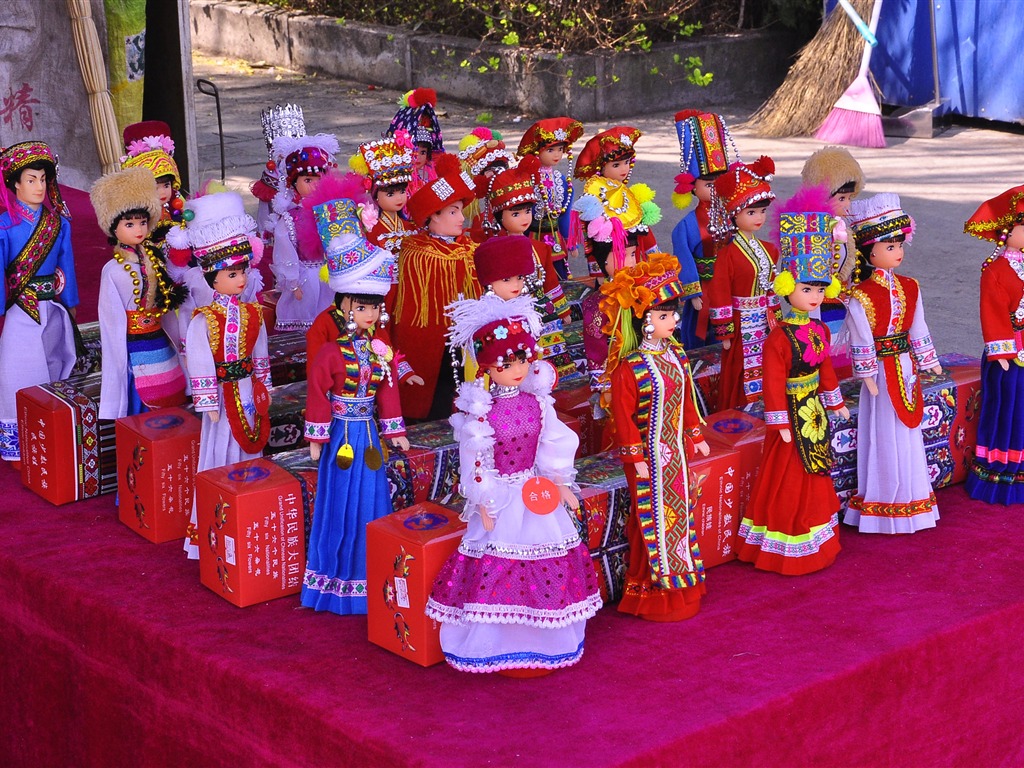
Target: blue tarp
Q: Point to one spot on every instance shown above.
(980, 47)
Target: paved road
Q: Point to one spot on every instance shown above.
(941, 180)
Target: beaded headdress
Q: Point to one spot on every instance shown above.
(19, 156)
(385, 162)
(310, 155)
(219, 232)
(277, 121)
(552, 130)
(492, 330)
(613, 144)
(879, 218)
(703, 152)
(482, 148)
(417, 117)
(996, 217)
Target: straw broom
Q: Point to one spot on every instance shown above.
(94, 75)
(822, 71)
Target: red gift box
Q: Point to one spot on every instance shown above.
(67, 453)
(745, 433)
(715, 510)
(250, 526)
(404, 553)
(963, 435)
(157, 453)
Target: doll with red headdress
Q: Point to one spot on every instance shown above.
(890, 343)
(149, 145)
(483, 155)
(386, 168)
(39, 292)
(743, 305)
(516, 596)
(703, 157)
(435, 267)
(550, 140)
(791, 524)
(658, 432)
(997, 475)
(418, 118)
(298, 255)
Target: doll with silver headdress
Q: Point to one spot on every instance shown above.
(228, 360)
(890, 344)
(352, 402)
(277, 121)
(136, 299)
(791, 524)
(997, 474)
(516, 596)
(39, 292)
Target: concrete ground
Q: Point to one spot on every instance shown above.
(941, 181)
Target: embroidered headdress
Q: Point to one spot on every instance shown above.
(418, 118)
(702, 151)
(19, 156)
(492, 330)
(482, 148)
(149, 145)
(452, 185)
(384, 162)
(122, 191)
(996, 217)
(614, 144)
(356, 267)
(552, 130)
(305, 155)
(219, 232)
(879, 218)
(514, 186)
(808, 231)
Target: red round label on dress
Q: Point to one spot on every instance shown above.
(541, 496)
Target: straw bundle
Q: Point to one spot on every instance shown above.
(94, 75)
(822, 71)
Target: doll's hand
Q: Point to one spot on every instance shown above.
(486, 519)
(214, 416)
(414, 379)
(569, 498)
(936, 369)
(401, 443)
(872, 386)
(1004, 364)
(844, 412)
(314, 451)
(697, 303)
(702, 447)
(726, 343)
(297, 293)
(786, 435)
(642, 471)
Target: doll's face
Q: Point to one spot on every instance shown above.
(702, 189)
(448, 221)
(751, 219)
(1016, 238)
(510, 374)
(231, 281)
(806, 296)
(392, 199)
(841, 201)
(552, 155)
(131, 231)
(165, 191)
(420, 156)
(629, 261)
(509, 287)
(364, 315)
(304, 185)
(886, 255)
(31, 187)
(617, 170)
(517, 220)
(664, 320)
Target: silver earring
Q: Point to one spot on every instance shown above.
(489, 291)
(384, 316)
(648, 327)
(350, 326)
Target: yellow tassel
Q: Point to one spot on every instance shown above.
(784, 284)
(834, 289)
(682, 201)
(468, 141)
(324, 273)
(642, 193)
(358, 164)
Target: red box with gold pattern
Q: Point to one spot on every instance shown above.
(404, 553)
(251, 545)
(157, 453)
(67, 453)
(717, 500)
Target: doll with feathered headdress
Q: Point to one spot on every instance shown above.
(518, 481)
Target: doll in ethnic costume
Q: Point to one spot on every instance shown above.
(743, 306)
(417, 117)
(39, 292)
(997, 475)
(791, 524)
(140, 363)
(890, 343)
(353, 386)
(482, 154)
(550, 140)
(703, 157)
(435, 268)
(297, 260)
(386, 167)
(149, 145)
(657, 429)
(516, 596)
(227, 342)
(277, 121)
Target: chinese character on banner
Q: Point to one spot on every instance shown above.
(18, 102)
